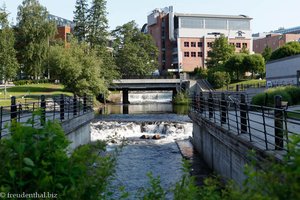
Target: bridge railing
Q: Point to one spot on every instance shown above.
(37, 113)
(268, 128)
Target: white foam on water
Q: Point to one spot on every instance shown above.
(114, 132)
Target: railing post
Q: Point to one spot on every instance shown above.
(62, 107)
(201, 102)
(278, 123)
(210, 105)
(75, 105)
(1, 117)
(13, 109)
(243, 114)
(197, 103)
(43, 110)
(84, 103)
(223, 109)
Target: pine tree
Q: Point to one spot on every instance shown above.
(97, 24)
(80, 20)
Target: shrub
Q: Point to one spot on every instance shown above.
(27, 82)
(290, 94)
(36, 160)
(219, 79)
(181, 98)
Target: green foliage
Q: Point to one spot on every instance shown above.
(181, 98)
(27, 82)
(220, 52)
(186, 188)
(290, 94)
(33, 33)
(97, 24)
(36, 160)
(8, 60)
(201, 72)
(254, 63)
(289, 49)
(136, 53)
(154, 191)
(267, 53)
(80, 68)
(81, 20)
(218, 78)
(235, 65)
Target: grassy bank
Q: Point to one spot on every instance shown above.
(31, 92)
(232, 86)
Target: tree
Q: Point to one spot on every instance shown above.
(254, 63)
(97, 24)
(80, 20)
(289, 49)
(219, 78)
(267, 53)
(220, 52)
(8, 60)
(235, 66)
(136, 53)
(80, 69)
(33, 33)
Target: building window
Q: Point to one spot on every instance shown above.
(200, 54)
(193, 54)
(244, 45)
(200, 44)
(186, 54)
(193, 44)
(238, 45)
(186, 44)
(209, 44)
(232, 44)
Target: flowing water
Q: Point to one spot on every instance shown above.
(142, 153)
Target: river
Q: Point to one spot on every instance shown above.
(138, 126)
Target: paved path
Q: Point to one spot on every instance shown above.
(260, 129)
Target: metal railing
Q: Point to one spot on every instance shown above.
(268, 128)
(35, 114)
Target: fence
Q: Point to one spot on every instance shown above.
(268, 128)
(35, 114)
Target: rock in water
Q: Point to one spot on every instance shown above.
(156, 137)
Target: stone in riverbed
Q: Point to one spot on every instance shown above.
(145, 137)
(156, 137)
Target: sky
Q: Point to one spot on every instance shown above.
(267, 14)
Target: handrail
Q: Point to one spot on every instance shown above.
(35, 114)
(267, 128)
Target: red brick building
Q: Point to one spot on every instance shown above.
(273, 40)
(184, 39)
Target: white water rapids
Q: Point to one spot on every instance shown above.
(140, 156)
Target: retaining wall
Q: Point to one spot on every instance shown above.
(78, 129)
(224, 152)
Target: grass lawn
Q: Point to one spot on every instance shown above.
(244, 82)
(293, 114)
(31, 92)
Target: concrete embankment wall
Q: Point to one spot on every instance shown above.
(78, 129)
(224, 152)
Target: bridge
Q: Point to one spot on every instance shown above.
(126, 85)
(227, 128)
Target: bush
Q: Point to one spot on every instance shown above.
(181, 98)
(36, 160)
(291, 94)
(219, 79)
(27, 82)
